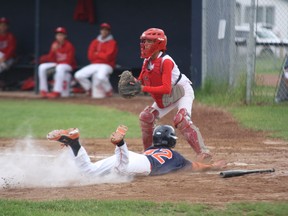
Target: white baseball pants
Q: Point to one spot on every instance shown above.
(123, 162)
(61, 73)
(5, 65)
(99, 73)
(185, 102)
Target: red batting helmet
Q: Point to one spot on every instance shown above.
(159, 42)
(61, 30)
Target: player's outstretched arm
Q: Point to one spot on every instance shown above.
(117, 137)
(200, 167)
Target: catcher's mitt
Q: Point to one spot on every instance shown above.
(128, 85)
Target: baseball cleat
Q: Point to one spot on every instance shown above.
(43, 94)
(64, 136)
(53, 95)
(117, 136)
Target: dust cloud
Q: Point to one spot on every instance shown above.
(27, 164)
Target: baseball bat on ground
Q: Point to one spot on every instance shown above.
(233, 173)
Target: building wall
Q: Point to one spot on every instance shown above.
(129, 18)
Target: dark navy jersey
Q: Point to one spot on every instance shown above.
(164, 160)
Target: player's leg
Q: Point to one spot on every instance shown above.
(70, 138)
(42, 74)
(6, 65)
(147, 119)
(83, 75)
(182, 121)
(127, 162)
(61, 71)
(101, 77)
(3, 67)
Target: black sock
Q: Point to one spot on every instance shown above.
(121, 143)
(74, 144)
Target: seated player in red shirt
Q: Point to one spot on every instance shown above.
(62, 58)
(170, 89)
(158, 159)
(7, 47)
(102, 54)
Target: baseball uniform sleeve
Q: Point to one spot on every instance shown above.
(10, 51)
(70, 55)
(109, 53)
(52, 53)
(92, 49)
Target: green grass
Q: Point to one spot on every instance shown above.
(262, 114)
(95, 207)
(271, 118)
(219, 94)
(263, 95)
(36, 118)
(268, 65)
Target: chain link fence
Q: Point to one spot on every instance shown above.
(245, 43)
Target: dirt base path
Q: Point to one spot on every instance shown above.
(241, 147)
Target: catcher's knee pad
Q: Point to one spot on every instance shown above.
(182, 119)
(148, 116)
(147, 119)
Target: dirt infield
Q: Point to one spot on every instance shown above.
(241, 147)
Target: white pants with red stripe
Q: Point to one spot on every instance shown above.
(62, 72)
(123, 162)
(100, 76)
(185, 102)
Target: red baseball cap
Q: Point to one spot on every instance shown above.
(61, 30)
(4, 20)
(105, 25)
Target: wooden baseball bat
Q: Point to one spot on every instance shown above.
(233, 173)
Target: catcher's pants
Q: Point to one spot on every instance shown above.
(123, 162)
(100, 76)
(62, 73)
(185, 102)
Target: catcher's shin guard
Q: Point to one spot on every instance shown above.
(147, 119)
(183, 122)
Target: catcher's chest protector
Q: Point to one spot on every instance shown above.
(152, 76)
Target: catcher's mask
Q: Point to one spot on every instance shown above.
(164, 135)
(152, 40)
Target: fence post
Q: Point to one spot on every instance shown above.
(232, 45)
(251, 53)
(204, 45)
(36, 44)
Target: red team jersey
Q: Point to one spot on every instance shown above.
(165, 160)
(64, 54)
(158, 76)
(103, 52)
(8, 45)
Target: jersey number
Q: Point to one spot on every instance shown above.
(159, 154)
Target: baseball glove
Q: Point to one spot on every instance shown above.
(128, 85)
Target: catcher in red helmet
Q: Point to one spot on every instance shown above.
(170, 89)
